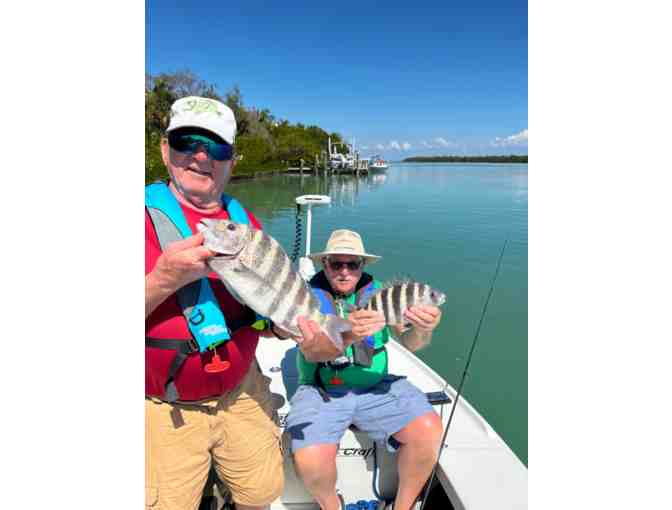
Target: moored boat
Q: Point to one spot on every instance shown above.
(377, 163)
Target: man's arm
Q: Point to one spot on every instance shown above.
(424, 320)
(181, 263)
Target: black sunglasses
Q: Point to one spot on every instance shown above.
(336, 265)
(188, 142)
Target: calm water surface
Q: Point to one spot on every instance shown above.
(444, 224)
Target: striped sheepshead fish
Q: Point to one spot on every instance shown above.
(258, 272)
(393, 299)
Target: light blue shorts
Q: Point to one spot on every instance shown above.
(380, 411)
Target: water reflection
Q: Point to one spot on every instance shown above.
(273, 196)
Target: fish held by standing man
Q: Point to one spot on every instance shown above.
(256, 269)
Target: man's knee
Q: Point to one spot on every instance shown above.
(316, 465)
(267, 492)
(425, 431)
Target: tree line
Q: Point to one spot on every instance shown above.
(512, 158)
(264, 142)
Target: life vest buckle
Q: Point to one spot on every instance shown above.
(338, 365)
(192, 345)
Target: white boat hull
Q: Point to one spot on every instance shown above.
(477, 470)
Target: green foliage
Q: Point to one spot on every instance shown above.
(265, 142)
(256, 155)
(154, 167)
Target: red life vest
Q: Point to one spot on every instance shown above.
(168, 322)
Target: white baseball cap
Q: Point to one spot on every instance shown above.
(204, 113)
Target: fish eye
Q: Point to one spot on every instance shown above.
(231, 227)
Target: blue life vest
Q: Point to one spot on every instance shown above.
(197, 300)
(363, 363)
(327, 303)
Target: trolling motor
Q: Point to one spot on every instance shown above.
(306, 266)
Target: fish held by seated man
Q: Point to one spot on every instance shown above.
(396, 297)
(255, 268)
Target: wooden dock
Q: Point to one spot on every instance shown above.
(321, 166)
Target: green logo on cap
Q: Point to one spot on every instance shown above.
(201, 106)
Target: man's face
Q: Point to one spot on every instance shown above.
(343, 272)
(196, 174)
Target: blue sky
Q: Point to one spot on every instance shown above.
(403, 78)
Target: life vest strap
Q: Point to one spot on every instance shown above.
(204, 317)
(184, 348)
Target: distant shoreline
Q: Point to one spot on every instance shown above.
(466, 159)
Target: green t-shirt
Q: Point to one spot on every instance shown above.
(353, 376)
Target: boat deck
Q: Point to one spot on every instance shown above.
(477, 470)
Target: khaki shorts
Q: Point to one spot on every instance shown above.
(238, 432)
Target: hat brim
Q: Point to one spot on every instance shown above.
(200, 126)
(368, 258)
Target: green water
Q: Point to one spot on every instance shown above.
(444, 224)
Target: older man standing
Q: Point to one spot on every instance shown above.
(355, 387)
(206, 401)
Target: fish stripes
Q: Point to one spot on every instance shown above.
(410, 289)
(395, 297)
(284, 288)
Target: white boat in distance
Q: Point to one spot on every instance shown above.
(377, 163)
(476, 469)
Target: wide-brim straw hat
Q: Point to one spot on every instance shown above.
(345, 242)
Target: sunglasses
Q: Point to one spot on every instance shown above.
(336, 265)
(189, 143)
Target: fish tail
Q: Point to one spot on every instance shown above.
(335, 326)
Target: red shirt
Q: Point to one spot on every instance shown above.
(167, 321)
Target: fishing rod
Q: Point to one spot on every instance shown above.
(464, 376)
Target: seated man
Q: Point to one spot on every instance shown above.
(355, 387)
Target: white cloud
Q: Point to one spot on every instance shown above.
(437, 143)
(365, 147)
(395, 145)
(442, 142)
(517, 139)
(380, 147)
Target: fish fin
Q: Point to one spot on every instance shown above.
(399, 280)
(334, 327)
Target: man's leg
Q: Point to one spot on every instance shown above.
(316, 466)
(177, 459)
(246, 448)
(315, 428)
(417, 455)
(396, 408)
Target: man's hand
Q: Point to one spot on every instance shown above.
(181, 263)
(423, 317)
(365, 323)
(314, 343)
